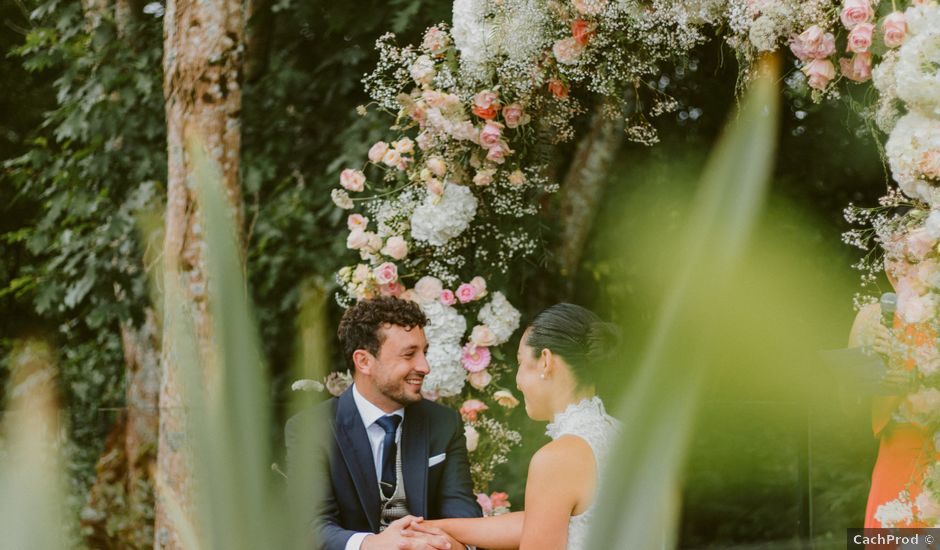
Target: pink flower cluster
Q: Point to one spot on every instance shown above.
(471, 408)
(815, 46)
(494, 503)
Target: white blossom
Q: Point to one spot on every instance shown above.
(440, 220)
(501, 317)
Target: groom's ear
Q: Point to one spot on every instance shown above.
(363, 361)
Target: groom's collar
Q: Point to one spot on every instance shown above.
(368, 411)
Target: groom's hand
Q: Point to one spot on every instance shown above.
(393, 538)
(419, 529)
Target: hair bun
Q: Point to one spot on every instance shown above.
(603, 341)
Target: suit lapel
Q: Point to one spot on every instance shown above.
(414, 458)
(357, 453)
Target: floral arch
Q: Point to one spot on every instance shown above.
(442, 211)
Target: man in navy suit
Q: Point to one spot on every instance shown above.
(393, 455)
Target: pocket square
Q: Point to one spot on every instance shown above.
(435, 460)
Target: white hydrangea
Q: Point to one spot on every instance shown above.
(912, 138)
(918, 67)
(501, 317)
(447, 376)
(895, 512)
(445, 324)
(440, 220)
(472, 37)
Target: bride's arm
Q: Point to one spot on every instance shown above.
(494, 532)
(558, 479)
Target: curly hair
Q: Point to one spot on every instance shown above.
(359, 327)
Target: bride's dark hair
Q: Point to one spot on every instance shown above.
(577, 335)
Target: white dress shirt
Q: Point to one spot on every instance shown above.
(369, 413)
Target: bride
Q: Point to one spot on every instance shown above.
(558, 355)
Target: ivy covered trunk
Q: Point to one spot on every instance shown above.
(202, 64)
(583, 188)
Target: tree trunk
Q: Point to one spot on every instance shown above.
(202, 64)
(583, 189)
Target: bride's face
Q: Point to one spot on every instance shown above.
(535, 389)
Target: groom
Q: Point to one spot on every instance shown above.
(393, 455)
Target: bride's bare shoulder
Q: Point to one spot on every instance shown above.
(562, 453)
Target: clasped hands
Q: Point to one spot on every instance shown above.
(409, 533)
(896, 379)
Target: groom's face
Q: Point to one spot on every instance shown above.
(401, 364)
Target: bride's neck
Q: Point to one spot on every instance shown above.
(576, 395)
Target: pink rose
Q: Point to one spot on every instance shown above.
(858, 68)
(486, 504)
(855, 12)
(435, 41)
(395, 247)
(819, 72)
(475, 358)
(428, 288)
(486, 104)
(357, 239)
(448, 298)
(895, 26)
(361, 273)
(480, 380)
(377, 152)
(499, 500)
(466, 293)
(352, 180)
(481, 335)
(498, 153)
(357, 221)
(860, 38)
(813, 43)
(471, 408)
(392, 158)
(514, 115)
(392, 289)
(423, 140)
(386, 273)
(517, 177)
(491, 134)
(567, 51)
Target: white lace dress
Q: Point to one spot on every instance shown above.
(589, 421)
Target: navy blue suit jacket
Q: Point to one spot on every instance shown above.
(351, 503)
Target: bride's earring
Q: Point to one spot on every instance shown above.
(542, 376)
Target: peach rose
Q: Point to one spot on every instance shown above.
(558, 88)
(377, 152)
(517, 177)
(437, 166)
(471, 408)
(486, 104)
(819, 72)
(567, 51)
(392, 158)
(395, 247)
(860, 37)
(813, 43)
(357, 239)
(480, 380)
(483, 177)
(428, 288)
(435, 41)
(858, 68)
(352, 180)
(481, 335)
(498, 152)
(386, 273)
(479, 283)
(895, 28)
(506, 399)
(855, 12)
(404, 146)
(361, 274)
(515, 115)
(435, 187)
(582, 31)
(473, 438)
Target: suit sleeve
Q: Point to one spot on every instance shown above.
(314, 495)
(457, 498)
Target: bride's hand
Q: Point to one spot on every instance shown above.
(426, 528)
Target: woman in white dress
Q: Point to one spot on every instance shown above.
(557, 356)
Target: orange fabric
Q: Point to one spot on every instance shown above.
(906, 450)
